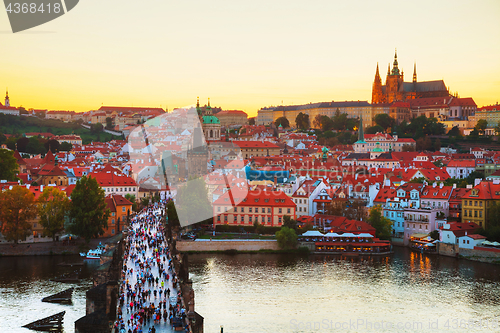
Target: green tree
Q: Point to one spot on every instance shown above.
(96, 128)
(434, 234)
(384, 120)
(382, 225)
(88, 212)
(497, 129)
(22, 143)
(283, 121)
(289, 222)
(339, 120)
(192, 201)
(286, 238)
(131, 198)
(8, 165)
(53, 145)
(438, 163)
(455, 131)
(374, 129)
(302, 121)
(66, 146)
(53, 205)
(109, 123)
(481, 125)
(437, 145)
(173, 219)
(251, 121)
(17, 207)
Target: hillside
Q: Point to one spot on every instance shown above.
(19, 125)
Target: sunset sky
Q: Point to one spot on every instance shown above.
(246, 54)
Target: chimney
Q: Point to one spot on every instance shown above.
(465, 233)
(441, 185)
(41, 188)
(275, 180)
(434, 184)
(455, 185)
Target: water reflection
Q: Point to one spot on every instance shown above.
(24, 281)
(274, 293)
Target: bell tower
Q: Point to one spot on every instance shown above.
(7, 100)
(377, 94)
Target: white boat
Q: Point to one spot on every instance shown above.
(94, 254)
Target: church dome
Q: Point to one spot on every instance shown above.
(211, 120)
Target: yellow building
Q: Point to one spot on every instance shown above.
(476, 203)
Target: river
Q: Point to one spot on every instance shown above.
(406, 292)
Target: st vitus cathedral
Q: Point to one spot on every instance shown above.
(395, 89)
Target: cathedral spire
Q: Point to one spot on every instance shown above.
(377, 75)
(395, 69)
(7, 100)
(415, 72)
(389, 69)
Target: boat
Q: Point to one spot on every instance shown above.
(94, 254)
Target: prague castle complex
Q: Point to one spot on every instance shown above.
(397, 98)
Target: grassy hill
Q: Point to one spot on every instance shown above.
(19, 125)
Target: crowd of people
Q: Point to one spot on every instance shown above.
(148, 299)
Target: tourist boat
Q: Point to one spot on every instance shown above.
(94, 254)
(346, 243)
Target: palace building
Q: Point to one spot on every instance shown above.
(395, 89)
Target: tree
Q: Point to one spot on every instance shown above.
(497, 129)
(286, 238)
(22, 143)
(192, 202)
(384, 120)
(339, 120)
(424, 144)
(53, 145)
(455, 131)
(283, 121)
(17, 207)
(66, 146)
(374, 129)
(52, 207)
(434, 234)
(382, 225)
(302, 121)
(251, 121)
(131, 198)
(289, 222)
(109, 123)
(438, 163)
(173, 219)
(96, 128)
(8, 165)
(317, 121)
(88, 212)
(407, 147)
(481, 125)
(437, 145)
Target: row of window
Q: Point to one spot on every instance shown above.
(250, 210)
(299, 201)
(250, 219)
(476, 203)
(475, 213)
(118, 189)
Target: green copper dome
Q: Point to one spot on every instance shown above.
(211, 120)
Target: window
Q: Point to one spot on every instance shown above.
(279, 210)
(268, 219)
(288, 210)
(263, 219)
(250, 209)
(225, 218)
(123, 209)
(475, 213)
(218, 218)
(475, 203)
(242, 210)
(279, 219)
(263, 210)
(218, 209)
(249, 218)
(480, 204)
(235, 218)
(269, 210)
(112, 221)
(242, 219)
(112, 231)
(480, 213)
(113, 214)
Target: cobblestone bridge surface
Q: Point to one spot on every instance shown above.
(149, 300)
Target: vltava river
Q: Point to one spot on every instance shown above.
(283, 293)
(407, 292)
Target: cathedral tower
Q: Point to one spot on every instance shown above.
(377, 93)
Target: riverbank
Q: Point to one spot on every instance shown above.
(49, 248)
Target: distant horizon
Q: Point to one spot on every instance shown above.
(247, 55)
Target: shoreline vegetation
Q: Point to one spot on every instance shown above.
(48, 248)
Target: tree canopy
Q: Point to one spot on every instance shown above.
(53, 205)
(8, 165)
(283, 121)
(302, 121)
(384, 120)
(286, 238)
(17, 207)
(192, 202)
(481, 125)
(88, 213)
(382, 225)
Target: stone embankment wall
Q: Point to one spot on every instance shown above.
(482, 254)
(449, 250)
(224, 245)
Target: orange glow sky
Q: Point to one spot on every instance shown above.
(246, 54)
